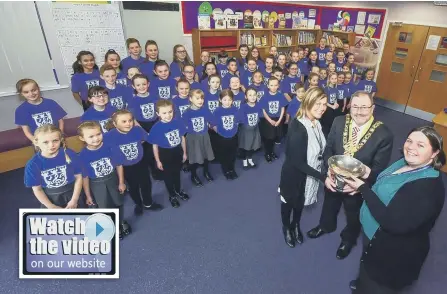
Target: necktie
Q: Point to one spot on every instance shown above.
(355, 133)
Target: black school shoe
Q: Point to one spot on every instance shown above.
(125, 229)
(196, 181)
(268, 158)
(208, 176)
(174, 201)
(233, 175)
(274, 156)
(185, 168)
(154, 207)
(182, 195)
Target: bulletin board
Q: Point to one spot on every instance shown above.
(325, 16)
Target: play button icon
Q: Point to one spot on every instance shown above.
(99, 227)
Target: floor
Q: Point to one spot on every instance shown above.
(226, 239)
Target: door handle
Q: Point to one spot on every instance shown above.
(418, 73)
(412, 71)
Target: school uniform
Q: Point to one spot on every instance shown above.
(47, 112)
(129, 151)
(303, 66)
(246, 78)
(342, 95)
(288, 85)
(242, 64)
(225, 120)
(322, 83)
(222, 70)
(164, 89)
(272, 104)
(339, 65)
(261, 64)
(367, 86)
(249, 137)
(100, 116)
(239, 99)
(119, 96)
(99, 166)
(199, 70)
(204, 84)
(147, 68)
(129, 62)
(260, 91)
(323, 65)
(195, 85)
(266, 75)
(226, 80)
(55, 175)
(81, 82)
(211, 100)
(321, 53)
(330, 114)
(293, 107)
(168, 137)
(180, 105)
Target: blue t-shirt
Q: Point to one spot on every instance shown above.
(332, 94)
(339, 65)
(303, 66)
(239, 99)
(322, 83)
(119, 96)
(195, 85)
(246, 78)
(321, 53)
(323, 65)
(81, 82)
(288, 84)
(180, 105)
(127, 147)
(226, 80)
(48, 112)
(98, 163)
(261, 90)
(197, 120)
(242, 64)
(121, 78)
(293, 107)
(147, 68)
(272, 104)
(52, 172)
(129, 62)
(102, 117)
(199, 70)
(225, 119)
(164, 89)
(367, 86)
(143, 108)
(222, 69)
(267, 76)
(261, 64)
(167, 134)
(342, 91)
(350, 87)
(249, 115)
(211, 100)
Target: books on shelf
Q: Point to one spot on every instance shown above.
(306, 38)
(252, 40)
(332, 39)
(282, 40)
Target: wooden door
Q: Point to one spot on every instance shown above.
(429, 92)
(402, 52)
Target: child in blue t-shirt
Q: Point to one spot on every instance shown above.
(163, 85)
(350, 88)
(100, 110)
(36, 111)
(54, 172)
(289, 82)
(268, 70)
(86, 75)
(249, 138)
(113, 58)
(238, 94)
(259, 85)
(200, 69)
(322, 82)
(273, 108)
(189, 74)
(134, 59)
(126, 142)
(181, 101)
(222, 64)
(168, 140)
(225, 124)
(340, 61)
(209, 70)
(342, 94)
(103, 173)
(181, 59)
(212, 93)
(142, 107)
(198, 144)
(247, 75)
(147, 66)
(367, 84)
(322, 50)
(332, 103)
(232, 72)
(119, 94)
(295, 104)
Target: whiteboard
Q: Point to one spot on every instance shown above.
(73, 27)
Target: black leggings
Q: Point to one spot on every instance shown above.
(193, 167)
(140, 185)
(148, 155)
(227, 152)
(286, 211)
(246, 154)
(171, 159)
(269, 145)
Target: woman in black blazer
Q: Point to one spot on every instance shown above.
(398, 213)
(302, 165)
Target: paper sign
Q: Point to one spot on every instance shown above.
(374, 18)
(312, 12)
(359, 29)
(432, 43)
(361, 17)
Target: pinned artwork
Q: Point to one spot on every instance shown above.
(257, 19)
(248, 19)
(205, 8)
(265, 18)
(343, 18)
(282, 20)
(288, 15)
(312, 13)
(240, 14)
(295, 20)
(217, 11)
(272, 19)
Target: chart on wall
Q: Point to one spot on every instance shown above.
(88, 26)
(246, 14)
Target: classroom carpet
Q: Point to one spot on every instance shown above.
(226, 239)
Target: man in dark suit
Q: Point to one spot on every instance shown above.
(359, 135)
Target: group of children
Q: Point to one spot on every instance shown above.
(143, 114)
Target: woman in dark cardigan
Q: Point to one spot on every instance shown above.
(302, 165)
(398, 213)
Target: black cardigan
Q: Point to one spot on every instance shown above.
(295, 168)
(396, 253)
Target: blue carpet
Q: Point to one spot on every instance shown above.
(226, 239)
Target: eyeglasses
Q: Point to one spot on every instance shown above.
(182, 52)
(100, 96)
(362, 108)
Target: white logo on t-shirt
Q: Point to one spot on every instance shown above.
(92, 83)
(55, 177)
(292, 88)
(103, 124)
(147, 110)
(130, 150)
(332, 98)
(102, 167)
(122, 81)
(182, 109)
(173, 138)
(237, 104)
(273, 107)
(164, 92)
(368, 88)
(223, 73)
(228, 122)
(198, 124)
(252, 119)
(259, 95)
(212, 105)
(43, 118)
(117, 102)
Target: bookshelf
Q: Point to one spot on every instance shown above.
(337, 37)
(215, 40)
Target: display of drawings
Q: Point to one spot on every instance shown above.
(93, 27)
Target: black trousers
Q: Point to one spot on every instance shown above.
(292, 209)
(227, 151)
(327, 120)
(171, 159)
(140, 185)
(246, 154)
(331, 206)
(148, 151)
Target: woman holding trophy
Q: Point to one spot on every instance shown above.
(398, 213)
(301, 170)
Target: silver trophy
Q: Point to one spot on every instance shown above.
(345, 166)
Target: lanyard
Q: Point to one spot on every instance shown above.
(406, 172)
(319, 140)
